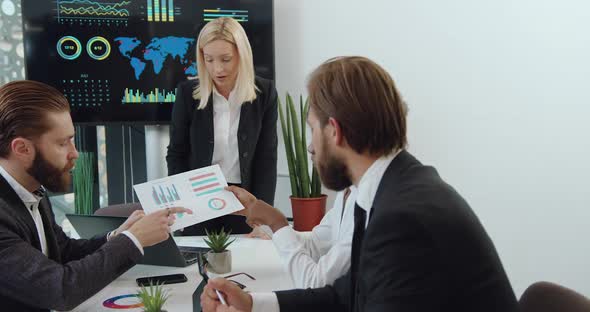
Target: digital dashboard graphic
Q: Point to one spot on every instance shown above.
(155, 96)
(69, 48)
(85, 93)
(239, 15)
(156, 53)
(161, 10)
(98, 48)
(89, 11)
(121, 60)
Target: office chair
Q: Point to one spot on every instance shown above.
(549, 297)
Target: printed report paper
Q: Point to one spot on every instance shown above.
(201, 190)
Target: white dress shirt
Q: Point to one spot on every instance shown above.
(366, 191)
(369, 183)
(32, 201)
(317, 258)
(226, 119)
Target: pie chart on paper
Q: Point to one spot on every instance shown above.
(217, 203)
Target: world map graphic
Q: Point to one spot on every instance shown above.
(156, 53)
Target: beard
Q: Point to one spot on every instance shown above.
(51, 177)
(333, 172)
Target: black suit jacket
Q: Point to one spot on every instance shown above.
(192, 138)
(423, 250)
(73, 271)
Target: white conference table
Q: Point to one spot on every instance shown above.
(253, 256)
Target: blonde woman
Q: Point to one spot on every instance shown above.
(227, 116)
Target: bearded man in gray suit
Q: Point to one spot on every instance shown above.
(41, 267)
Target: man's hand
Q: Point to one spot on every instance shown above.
(257, 212)
(258, 232)
(245, 197)
(155, 227)
(134, 217)
(237, 299)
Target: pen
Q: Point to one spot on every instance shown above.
(220, 297)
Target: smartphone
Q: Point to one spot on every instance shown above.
(161, 279)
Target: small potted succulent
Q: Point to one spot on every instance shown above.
(153, 297)
(218, 258)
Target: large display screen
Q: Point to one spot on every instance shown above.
(120, 60)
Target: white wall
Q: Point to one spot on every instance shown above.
(499, 102)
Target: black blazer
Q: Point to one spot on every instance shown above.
(192, 138)
(74, 270)
(423, 250)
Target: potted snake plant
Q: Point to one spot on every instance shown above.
(307, 202)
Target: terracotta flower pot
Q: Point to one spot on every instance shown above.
(307, 212)
(219, 263)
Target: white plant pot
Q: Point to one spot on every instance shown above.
(219, 263)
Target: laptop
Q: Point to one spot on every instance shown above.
(166, 253)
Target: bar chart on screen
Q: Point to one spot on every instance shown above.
(161, 10)
(239, 15)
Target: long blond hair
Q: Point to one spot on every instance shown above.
(228, 29)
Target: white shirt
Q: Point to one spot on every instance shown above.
(226, 119)
(370, 181)
(32, 203)
(366, 191)
(317, 258)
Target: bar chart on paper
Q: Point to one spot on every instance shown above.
(165, 194)
(205, 184)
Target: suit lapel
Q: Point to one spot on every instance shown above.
(207, 135)
(357, 239)
(245, 111)
(17, 208)
(244, 127)
(388, 182)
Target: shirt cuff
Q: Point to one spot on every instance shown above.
(109, 234)
(265, 302)
(284, 237)
(134, 240)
